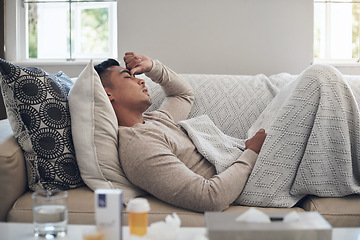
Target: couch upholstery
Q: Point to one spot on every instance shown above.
(233, 103)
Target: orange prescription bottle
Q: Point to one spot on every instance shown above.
(138, 209)
(93, 235)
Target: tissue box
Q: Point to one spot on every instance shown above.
(310, 226)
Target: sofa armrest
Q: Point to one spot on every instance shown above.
(13, 179)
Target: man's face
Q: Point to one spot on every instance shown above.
(126, 90)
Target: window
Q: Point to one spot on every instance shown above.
(66, 29)
(336, 30)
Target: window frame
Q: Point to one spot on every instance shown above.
(16, 44)
(348, 66)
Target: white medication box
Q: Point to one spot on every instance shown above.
(108, 212)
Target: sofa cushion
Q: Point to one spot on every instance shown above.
(339, 212)
(233, 102)
(81, 210)
(95, 135)
(37, 108)
(159, 210)
(80, 207)
(12, 170)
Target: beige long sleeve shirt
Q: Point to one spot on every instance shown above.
(159, 157)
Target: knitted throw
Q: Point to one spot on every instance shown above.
(312, 146)
(218, 148)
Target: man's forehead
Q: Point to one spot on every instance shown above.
(119, 68)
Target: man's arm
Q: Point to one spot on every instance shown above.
(149, 164)
(179, 94)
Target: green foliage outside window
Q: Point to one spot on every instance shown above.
(32, 30)
(94, 30)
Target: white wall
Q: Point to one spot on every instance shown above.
(206, 36)
(220, 37)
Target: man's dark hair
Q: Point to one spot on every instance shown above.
(101, 67)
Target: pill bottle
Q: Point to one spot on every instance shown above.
(94, 234)
(138, 209)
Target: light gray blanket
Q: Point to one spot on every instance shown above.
(218, 148)
(312, 146)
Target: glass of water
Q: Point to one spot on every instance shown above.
(50, 215)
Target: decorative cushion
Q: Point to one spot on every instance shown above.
(95, 135)
(37, 108)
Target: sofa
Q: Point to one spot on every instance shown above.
(233, 102)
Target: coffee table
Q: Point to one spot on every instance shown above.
(24, 231)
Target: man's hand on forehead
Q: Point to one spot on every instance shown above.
(137, 64)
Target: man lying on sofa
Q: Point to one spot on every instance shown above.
(159, 157)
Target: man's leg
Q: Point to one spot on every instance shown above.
(312, 143)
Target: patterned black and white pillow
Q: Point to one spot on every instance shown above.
(37, 108)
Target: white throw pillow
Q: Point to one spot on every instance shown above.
(95, 135)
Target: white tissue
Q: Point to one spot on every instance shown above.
(167, 230)
(253, 215)
(293, 216)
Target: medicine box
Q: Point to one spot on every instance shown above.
(108, 212)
